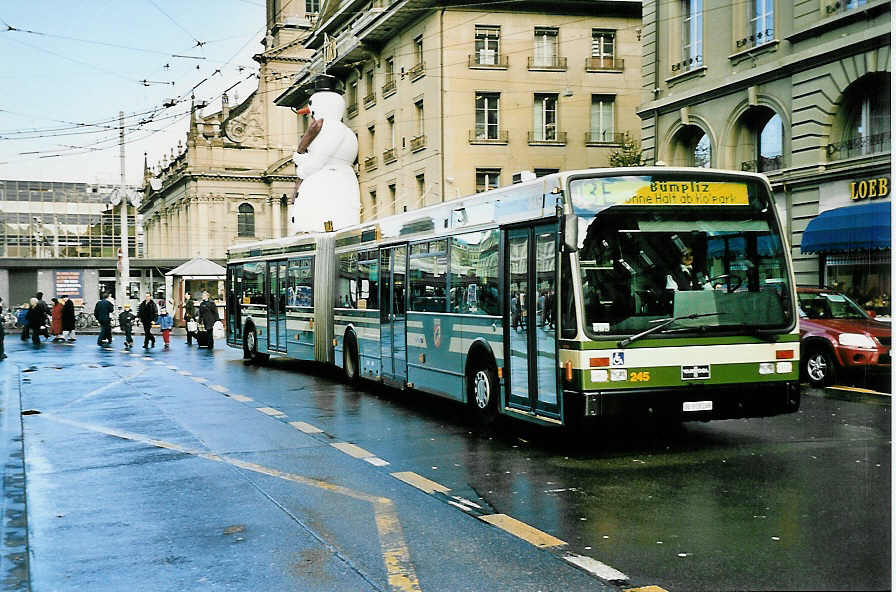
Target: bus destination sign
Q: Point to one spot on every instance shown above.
(643, 191)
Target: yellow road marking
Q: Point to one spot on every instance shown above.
(271, 411)
(352, 450)
(522, 530)
(241, 398)
(421, 483)
(305, 427)
(397, 558)
(857, 389)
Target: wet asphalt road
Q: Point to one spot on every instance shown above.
(156, 474)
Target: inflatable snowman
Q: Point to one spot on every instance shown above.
(324, 164)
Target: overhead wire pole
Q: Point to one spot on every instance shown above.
(124, 262)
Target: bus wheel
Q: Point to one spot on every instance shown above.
(482, 386)
(350, 360)
(250, 347)
(819, 368)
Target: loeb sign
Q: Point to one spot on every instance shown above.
(869, 188)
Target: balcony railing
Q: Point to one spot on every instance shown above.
(416, 71)
(547, 63)
(418, 143)
(389, 88)
(603, 138)
(495, 137)
(370, 163)
(488, 60)
(603, 64)
(547, 138)
(351, 110)
(763, 164)
(859, 146)
(389, 156)
(370, 100)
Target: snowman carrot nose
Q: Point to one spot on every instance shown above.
(303, 111)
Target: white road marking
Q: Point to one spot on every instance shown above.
(351, 449)
(593, 566)
(377, 462)
(241, 398)
(219, 388)
(271, 411)
(305, 427)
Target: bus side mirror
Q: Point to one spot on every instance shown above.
(570, 231)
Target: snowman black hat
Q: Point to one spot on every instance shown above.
(325, 82)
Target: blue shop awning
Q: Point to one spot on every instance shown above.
(850, 228)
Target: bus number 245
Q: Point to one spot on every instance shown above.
(639, 376)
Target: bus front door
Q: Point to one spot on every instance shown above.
(277, 306)
(393, 324)
(530, 284)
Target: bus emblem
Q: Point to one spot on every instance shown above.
(437, 332)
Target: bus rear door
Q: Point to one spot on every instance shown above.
(393, 319)
(530, 283)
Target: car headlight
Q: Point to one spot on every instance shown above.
(856, 340)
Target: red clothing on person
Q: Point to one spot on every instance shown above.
(56, 324)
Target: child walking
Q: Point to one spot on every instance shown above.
(165, 324)
(126, 322)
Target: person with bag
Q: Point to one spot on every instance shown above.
(103, 313)
(126, 323)
(165, 325)
(148, 312)
(36, 319)
(190, 318)
(22, 318)
(208, 316)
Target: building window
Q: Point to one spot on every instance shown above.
(393, 197)
(545, 113)
(543, 172)
(312, 6)
(762, 21)
(691, 147)
(866, 118)
(770, 145)
(421, 188)
(390, 131)
(245, 220)
(692, 34)
(487, 125)
(603, 48)
(603, 119)
(759, 140)
(702, 155)
(545, 47)
(418, 112)
(487, 179)
(487, 39)
(373, 202)
(418, 49)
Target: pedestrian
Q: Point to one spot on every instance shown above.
(103, 313)
(126, 322)
(208, 316)
(148, 312)
(22, 318)
(2, 331)
(56, 322)
(36, 320)
(190, 318)
(165, 324)
(45, 310)
(68, 319)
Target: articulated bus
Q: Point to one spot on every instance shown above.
(583, 294)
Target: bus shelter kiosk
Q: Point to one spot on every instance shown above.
(194, 277)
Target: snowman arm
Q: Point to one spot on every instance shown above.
(319, 153)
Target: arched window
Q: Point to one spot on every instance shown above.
(245, 220)
(691, 147)
(865, 118)
(759, 140)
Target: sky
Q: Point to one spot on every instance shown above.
(67, 68)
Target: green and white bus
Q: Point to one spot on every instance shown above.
(591, 293)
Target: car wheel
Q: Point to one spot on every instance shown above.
(819, 368)
(483, 389)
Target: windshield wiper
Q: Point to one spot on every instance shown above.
(663, 323)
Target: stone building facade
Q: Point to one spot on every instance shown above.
(799, 91)
(450, 100)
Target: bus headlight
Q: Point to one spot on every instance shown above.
(766, 367)
(784, 367)
(856, 340)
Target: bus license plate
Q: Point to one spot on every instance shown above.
(696, 406)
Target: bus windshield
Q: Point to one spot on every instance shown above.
(653, 249)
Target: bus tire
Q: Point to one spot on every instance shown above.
(350, 359)
(819, 368)
(483, 392)
(250, 347)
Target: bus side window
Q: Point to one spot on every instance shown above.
(474, 273)
(347, 280)
(568, 303)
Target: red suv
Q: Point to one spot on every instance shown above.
(838, 337)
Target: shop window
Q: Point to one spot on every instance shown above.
(864, 277)
(245, 220)
(864, 118)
